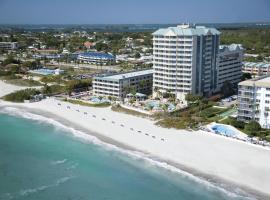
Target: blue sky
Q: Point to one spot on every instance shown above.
(132, 11)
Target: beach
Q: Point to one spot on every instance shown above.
(8, 88)
(214, 157)
(204, 154)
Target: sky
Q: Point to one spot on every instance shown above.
(132, 11)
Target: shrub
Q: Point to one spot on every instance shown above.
(21, 95)
(252, 128)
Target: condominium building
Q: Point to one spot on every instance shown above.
(119, 85)
(256, 68)
(254, 100)
(229, 67)
(184, 60)
(9, 45)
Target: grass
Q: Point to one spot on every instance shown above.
(191, 117)
(172, 122)
(120, 109)
(17, 80)
(100, 105)
(23, 82)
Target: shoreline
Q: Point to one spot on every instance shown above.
(40, 109)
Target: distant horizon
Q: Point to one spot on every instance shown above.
(247, 22)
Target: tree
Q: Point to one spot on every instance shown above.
(137, 55)
(252, 128)
(30, 64)
(10, 59)
(227, 89)
(246, 76)
(46, 89)
(235, 123)
(193, 98)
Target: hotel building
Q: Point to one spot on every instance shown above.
(119, 85)
(229, 67)
(254, 100)
(184, 60)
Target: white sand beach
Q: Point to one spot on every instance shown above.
(6, 88)
(208, 154)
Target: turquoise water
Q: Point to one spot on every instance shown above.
(225, 130)
(42, 161)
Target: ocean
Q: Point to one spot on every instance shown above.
(43, 159)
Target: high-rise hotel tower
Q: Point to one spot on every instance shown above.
(185, 60)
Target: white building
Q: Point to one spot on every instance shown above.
(96, 57)
(9, 45)
(254, 101)
(184, 60)
(230, 62)
(119, 85)
(256, 68)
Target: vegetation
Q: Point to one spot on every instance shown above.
(255, 41)
(253, 128)
(199, 112)
(74, 85)
(53, 89)
(23, 82)
(98, 105)
(21, 95)
(51, 79)
(246, 76)
(192, 98)
(227, 89)
(118, 108)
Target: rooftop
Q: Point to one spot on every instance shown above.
(127, 75)
(231, 47)
(186, 30)
(263, 81)
(98, 55)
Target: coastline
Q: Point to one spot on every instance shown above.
(178, 150)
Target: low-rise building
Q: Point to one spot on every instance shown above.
(254, 100)
(229, 67)
(96, 57)
(256, 68)
(9, 45)
(119, 85)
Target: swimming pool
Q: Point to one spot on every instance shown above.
(228, 131)
(152, 104)
(44, 71)
(95, 99)
(156, 105)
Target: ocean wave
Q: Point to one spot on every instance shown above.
(58, 182)
(135, 155)
(58, 162)
(29, 191)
